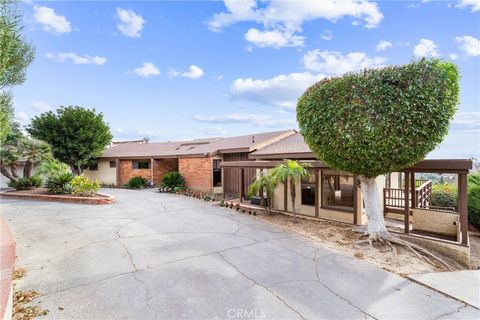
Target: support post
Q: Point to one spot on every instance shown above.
(285, 195)
(117, 167)
(152, 161)
(317, 185)
(413, 187)
(407, 202)
(242, 183)
(223, 184)
(357, 208)
(462, 207)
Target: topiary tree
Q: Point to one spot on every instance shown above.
(77, 135)
(378, 121)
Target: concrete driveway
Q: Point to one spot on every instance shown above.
(153, 255)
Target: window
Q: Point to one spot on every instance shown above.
(217, 173)
(93, 166)
(308, 190)
(143, 164)
(337, 191)
(113, 164)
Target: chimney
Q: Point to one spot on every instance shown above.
(146, 139)
(253, 139)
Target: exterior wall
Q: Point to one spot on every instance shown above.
(162, 166)
(197, 173)
(231, 177)
(104, 174)
(126, 171)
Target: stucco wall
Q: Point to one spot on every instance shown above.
(197, 173)
(104, 174)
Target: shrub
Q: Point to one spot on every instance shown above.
(26, 183)
(83, 186)
(474, 199)
(171, 180)
(60, 183)
(136, 183)
(51, 167)
(444, 196)
(177, 189)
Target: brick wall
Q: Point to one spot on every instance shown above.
(197, 173)
(160, 167)
(126, 172)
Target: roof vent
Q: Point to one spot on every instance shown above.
(253, 139)
(146, 139)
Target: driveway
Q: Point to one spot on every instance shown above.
(153, 255)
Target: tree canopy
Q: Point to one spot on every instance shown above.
(15, 54)
(380, 120)
(77, 135)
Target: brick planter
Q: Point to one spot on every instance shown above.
(7, 266)
(99, 198)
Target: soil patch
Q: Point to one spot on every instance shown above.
(340, 237)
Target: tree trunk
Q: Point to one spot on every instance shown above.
(376, 224)
(293, 196)
(6, 173)
(13, 170)
(27, 170)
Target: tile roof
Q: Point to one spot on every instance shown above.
(291, 145)
(201, 147)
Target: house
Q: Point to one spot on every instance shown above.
(197, 160)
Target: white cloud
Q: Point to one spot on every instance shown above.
(274, 38)
(425, 48)
(466, 122)
(21, 117)
(469, 45)
(129, 23)
(262, 120)
(453, 56)
(327, 35)
(41, 106)
(383, 45)
(147, 69)
(281, 90)
(194, 72)
(282, 19)
(475, 4)
(77, 59)
(332, 62)
(213, 131)
(51, 21)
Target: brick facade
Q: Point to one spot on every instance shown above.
(197, 173)
(160, 167)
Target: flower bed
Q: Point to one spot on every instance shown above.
(42, 195)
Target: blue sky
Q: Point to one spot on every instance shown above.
(174, 70)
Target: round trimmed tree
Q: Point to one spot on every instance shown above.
(379, 121)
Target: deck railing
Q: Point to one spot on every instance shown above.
(394, 198)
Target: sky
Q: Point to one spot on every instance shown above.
(174, 70)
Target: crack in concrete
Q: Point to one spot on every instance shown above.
(450, 313)
(260, 285)
(339, 296)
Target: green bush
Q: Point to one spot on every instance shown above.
(83, 186)
(136, 183)
(26, 183)
(172, 180)
(60, 184)
(379, 120)
(51, 167)
(444, 196)
(474, 199)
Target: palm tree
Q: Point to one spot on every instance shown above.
(33, 151)
(265, 183)
(291, 171)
